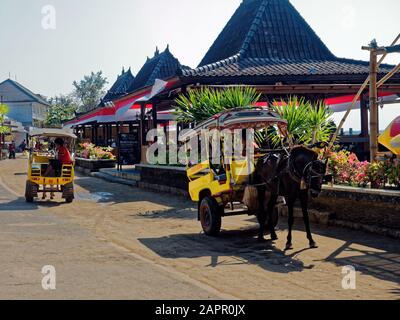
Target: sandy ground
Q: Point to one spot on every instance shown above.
(117, 242)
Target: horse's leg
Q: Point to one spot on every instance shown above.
(262, 217)
(271, 207)
(291, 201)
(304, 207)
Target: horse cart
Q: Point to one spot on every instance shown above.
(219, 187)
(42, 154)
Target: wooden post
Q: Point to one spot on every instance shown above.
(119, 165)
(93, 135)
(364, 124)
(143, 148)
(373, 105)
(142, 123)
(154, 115)
(358, 95)
(364, 116)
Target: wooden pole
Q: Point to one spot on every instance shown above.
(142, 123)
(143, 149)
(364, 85)
(364, 125)
(373, 105)
(154, 115)
(334, 138)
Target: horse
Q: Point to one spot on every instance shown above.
(295, 175)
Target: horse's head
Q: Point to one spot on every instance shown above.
(315, 176)
(309, 169)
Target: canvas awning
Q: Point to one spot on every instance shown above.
(128, 109)
(343, 103)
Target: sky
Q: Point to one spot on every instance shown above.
(47, 55)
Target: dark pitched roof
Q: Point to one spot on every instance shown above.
(242, 67)
(162, 66)
(34, 97)
(271, 29)
(269, 38)
(121, 86)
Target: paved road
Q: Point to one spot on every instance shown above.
(117, 242)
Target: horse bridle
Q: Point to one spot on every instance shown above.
(312, 174)
(308, 173)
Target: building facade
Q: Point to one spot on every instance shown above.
(26, 107)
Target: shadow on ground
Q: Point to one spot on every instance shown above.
(381, 259)
(240, 244)
(21, 205)
(379, 256)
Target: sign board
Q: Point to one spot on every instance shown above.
(129, 148)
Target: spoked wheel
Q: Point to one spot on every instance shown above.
(210, 216)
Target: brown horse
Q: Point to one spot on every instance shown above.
(293, 176)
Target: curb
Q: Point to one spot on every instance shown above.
(113, 179)
(391, 233)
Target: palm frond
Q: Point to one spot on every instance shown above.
(199, 105)
(307, 123)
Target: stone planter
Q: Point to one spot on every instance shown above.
(94, 165)
(363, 206)
(164, 179)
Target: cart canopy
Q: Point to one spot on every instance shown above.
(51, 133)
(244, 118)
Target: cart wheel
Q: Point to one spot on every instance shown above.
(275, 218)
(68, 193)
(210, 216)
(69, 200)
(29, 192)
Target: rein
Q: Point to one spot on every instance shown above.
(307, 175)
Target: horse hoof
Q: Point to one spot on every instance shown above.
(289, 246)
(261, 240)
(313, 245)
(274, 237)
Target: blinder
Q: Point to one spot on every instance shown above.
(310, 174)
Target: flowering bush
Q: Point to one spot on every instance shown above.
(377, 175)
(348, 170)
(392, 171)
(90, 151)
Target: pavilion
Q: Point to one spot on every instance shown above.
(267, 45)
(117, 112)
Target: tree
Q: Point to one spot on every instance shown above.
(3, 129)
(90, 90)
(307, 123)
(62, 109)
(200, 105)
(3, 111)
